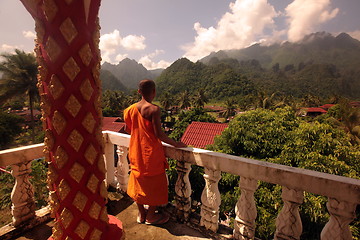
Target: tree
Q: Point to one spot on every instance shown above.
(348, 118)
(230, 109)
(114, 102)
(184, 100)
(200, 99)
(280, 137)
(10, 127)
(19, 77)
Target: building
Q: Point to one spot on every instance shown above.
(201, 134)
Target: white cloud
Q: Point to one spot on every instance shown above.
(112, 43)
(305, 15)
(148, 62)
(121, 57)
(133, 42)
(29, 34)
(240, 27)
(8, 48)
(355, 34)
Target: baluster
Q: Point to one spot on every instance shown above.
(109, 159)
(122, 169)
(245, 210)
(22, 195)
(341, 214)
(210, 200)
(288, 222)
(183, 191)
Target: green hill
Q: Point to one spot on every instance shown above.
(320, 64)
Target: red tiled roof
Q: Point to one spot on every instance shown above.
(327, 106)
(316, 109)
(355, 104)
(214, 108)
(112, 124)
(201, 134)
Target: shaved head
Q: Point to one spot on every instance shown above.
(146, 87)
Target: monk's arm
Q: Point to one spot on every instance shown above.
(160, 133)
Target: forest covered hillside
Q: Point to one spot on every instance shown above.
(128, 72)
(320, 64)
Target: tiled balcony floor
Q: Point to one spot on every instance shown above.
(126, 211)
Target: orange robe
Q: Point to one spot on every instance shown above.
(147, 180)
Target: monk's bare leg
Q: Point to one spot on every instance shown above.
(154, 217)
(142, 213)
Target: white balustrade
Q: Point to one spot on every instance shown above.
(122, 168)
(288, 222)
(183, 191)
(245, 210)
(343, 193)
(22, 195)
(210, 200)
(341, 214)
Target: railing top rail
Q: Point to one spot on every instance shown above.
(21, 154)
(341, 188)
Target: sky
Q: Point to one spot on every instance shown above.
(158, 32)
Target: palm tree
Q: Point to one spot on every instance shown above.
(19, 77)
(200, 99)
(184, 100)
(230, 109)
(349, 118)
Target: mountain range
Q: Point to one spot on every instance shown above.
(125, 75)
(318, 64)
(320, 47)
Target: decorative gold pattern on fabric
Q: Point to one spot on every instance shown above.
(57, 231)
(75, 140)
(90, 154)
(73, 106)
(96, 234)
(61, 157)
(76, 172)
(52, 175)
(71, 69)
(53, 49)
(64, 189)
(103, 190)
(40, 31)
(96, 74)
(94, 210)
(58, 122)
(82, 229)
(86, 54)
(92, 184)
(45, 104)
(103, 215)
(89, 122)
(80, 201)
(49, 139)
(86, 89)
(66, 217)
(54, 203)
(50, 9)
(56, 88)
(101, 164)
(68, 30)
(99, 136)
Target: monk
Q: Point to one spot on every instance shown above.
(147, 181)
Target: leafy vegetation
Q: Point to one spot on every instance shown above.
(280, 137)
(10, 127)
(19, 77)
